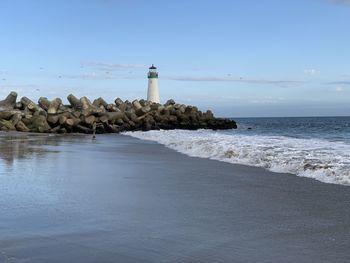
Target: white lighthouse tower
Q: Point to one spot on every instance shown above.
(153, 92)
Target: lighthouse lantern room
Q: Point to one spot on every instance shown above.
(153, 92)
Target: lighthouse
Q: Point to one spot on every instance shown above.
(153, 92)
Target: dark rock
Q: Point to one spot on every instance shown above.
(170, 102)
(7, 126)
(142, 111)
(112, 107)
(20, 126)
(118, 101)
(37, 124)
(74, 102)
(44, 103)
(55, 105)
(86, 117)
(18, 105)
(10, 102)
(100, 102)
(136, 104)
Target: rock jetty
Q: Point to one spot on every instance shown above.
(84, 116)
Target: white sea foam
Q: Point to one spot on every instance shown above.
(315, 158)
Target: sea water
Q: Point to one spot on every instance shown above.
(315, 147)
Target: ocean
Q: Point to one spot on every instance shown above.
(314, 147)
(69, 198)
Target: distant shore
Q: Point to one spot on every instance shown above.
(71, 199)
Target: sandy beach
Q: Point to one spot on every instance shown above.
(120, 199)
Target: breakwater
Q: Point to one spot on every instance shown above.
(84, 116)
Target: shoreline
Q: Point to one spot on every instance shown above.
(241, 165)
(315, 158)
(88, 136)
(130, 200)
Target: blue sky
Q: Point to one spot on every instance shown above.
(239, 58)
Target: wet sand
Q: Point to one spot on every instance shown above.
(120, 199)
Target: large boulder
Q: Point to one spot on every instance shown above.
(37, 124)
(20, 126)
(10, 102)
(7, 126)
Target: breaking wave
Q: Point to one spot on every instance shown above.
(320, 159)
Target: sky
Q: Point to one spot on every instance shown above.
(240, 58)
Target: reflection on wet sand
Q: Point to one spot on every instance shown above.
(15, 145)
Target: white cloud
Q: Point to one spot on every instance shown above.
(311, 72)
(339, 83)
(269, 100)
(233, 79)
(96, 76)
(339, 89)
(111, 66)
